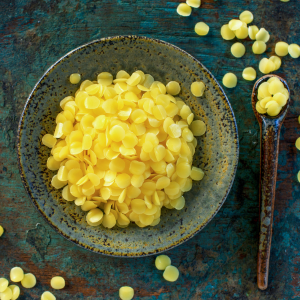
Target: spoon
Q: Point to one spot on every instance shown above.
(269, 147)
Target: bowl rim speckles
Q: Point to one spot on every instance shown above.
(231, 176)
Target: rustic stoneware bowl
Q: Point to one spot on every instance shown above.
(216, 153)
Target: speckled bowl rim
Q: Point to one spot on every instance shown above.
(23, 175)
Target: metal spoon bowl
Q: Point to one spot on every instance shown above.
(269, 148)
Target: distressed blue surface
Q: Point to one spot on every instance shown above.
(220, 262)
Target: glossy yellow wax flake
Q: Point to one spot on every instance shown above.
(15, 290)
(262, 35)
(57, 283)
(162, 261)
(171, 273)
(259, 47)
(3, 284)
(29, 281)
(184, 10)
(281, 48)
(197, 88)
(193, 3)
(173, 88)
(229, 80)
(298, 143)
(276, 60)
(126, 293)
(227, 33)
(75, 78)
(201, 28)
(1, 230)
(48, 296)
(16, 274)
(252, 31)
(235, 24)
(238, 50)
(6, 294)
(249, 74)
(294, 50)
(266, 66)
(246, 16)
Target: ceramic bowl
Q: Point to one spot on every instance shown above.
(216, 153)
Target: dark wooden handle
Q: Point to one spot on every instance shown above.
(270, 133)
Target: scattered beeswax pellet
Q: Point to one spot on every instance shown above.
(1, 230)
(49, 140)
(48, 296)
(227, 33)
(193, 3)
(6, 294)
(15, 291)
(294, 50)
(276, 60)
(238, 50)
(173, 88)
(249, 74)
(198, 128)
(298, 176)
(235, 24)
(229, 80)
(252, 31)
(246, 16)
(3, 284)
(281, 49)
(29, 281)
(126, 293)
(197, 173)
(184, 10)
(58, 282)
(266, 66)
(16, 274)
(197, 88)
(201, 28)
(298, 143)
(171, 273)
(242, 32)
(259, 47)
(162, 261)
(75, 78)
(262, 35)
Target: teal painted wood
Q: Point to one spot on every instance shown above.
(218, 263)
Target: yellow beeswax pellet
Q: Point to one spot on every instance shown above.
(162, 261)
(275, 86)
(171, 273)
(134, 79)
(197, 88)
(193, 3)
(238, 50)
(48, 296)
(3, 284)
(266, 66)
(246, 16)
(273, 108)
(242, 32)
(263, 90)
(126, 293)
(1, 230)
(201, 28)
(227, 33)
(298, 143)
(58, 282)
(184, 10)
(109, 221)
(259, 47)
(280, 98)
(117, 133)
(6, 294)
(15, 291)
(252, 31)
(276, 60)
(249, 74)
(229, 80)
(105, 78)
(281, 49)
(178, 203)
(294, 50)
(173, 88)
(16, 274)
(49, 140)
(75, 78)
(298, 176)
(235, 24)
(262, 35)
(197, 173)
(29, 281)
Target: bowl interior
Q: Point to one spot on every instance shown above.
(216, 153)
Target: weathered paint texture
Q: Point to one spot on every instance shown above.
(218, 263)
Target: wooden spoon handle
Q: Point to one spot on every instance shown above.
(270, 133)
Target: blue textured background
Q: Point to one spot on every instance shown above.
(220, 262)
